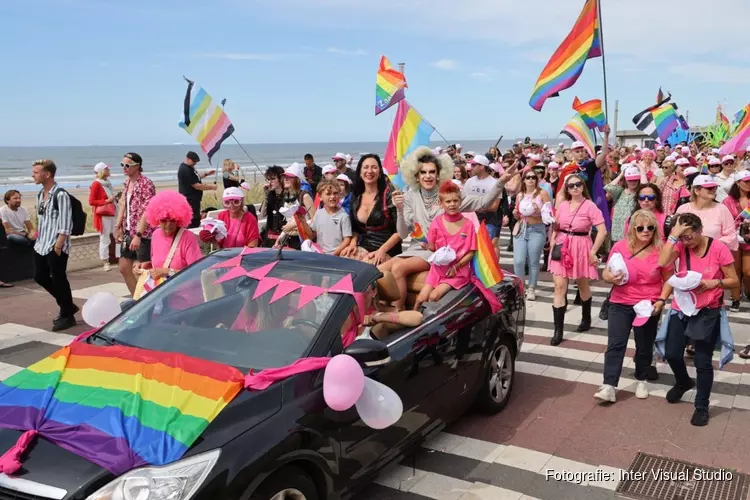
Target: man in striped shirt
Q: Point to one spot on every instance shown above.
(53, 242)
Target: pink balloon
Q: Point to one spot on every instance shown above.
(343, 382)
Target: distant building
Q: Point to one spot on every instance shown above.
(641, 140)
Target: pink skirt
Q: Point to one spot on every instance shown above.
(437, 276)
(579, 248)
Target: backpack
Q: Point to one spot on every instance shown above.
(78, 214)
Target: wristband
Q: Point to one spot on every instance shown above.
(721, 284)
(672, 239)
(660, 300)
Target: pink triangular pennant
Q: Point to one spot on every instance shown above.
(233, 262)
(344, 285)
(236, 272)
(262, 271)
(249, 250)
(284, 288)
(359, 297)
(265, 285)
(308, 293)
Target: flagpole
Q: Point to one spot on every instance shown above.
(604, 66)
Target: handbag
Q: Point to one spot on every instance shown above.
(604, 310)
(556, 253)
(106, 210)
(146, 283)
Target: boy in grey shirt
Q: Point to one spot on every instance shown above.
(331, 227)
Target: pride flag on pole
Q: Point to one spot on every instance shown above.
(566, 64)
(591, 113)
(485, 262)
(205, 120)
(409, 132)
(577, 130)
(389, 86)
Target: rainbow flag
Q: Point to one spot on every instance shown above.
(566, 64)
(205, 120)
(591, 113)
(745, 214)
(389, 86)
(724, 126)
(118, 407)
(485, 262)
(660, 121)
(418, 234)
(409, 132)
(741, 133)
(577, 130)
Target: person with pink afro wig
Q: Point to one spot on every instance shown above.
(171, 214)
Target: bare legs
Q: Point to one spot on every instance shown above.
(401, 268)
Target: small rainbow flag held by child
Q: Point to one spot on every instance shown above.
(485, 262)
(118, 407)
(745, 214)
(418, 235)
(591, 113)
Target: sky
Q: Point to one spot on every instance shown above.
(109, 72)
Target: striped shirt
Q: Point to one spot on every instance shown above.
(53, 222)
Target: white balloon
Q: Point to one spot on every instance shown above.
(100, 308)
(379, 406)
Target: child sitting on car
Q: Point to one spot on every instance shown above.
(453, 239)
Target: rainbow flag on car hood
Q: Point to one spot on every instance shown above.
(118, 407)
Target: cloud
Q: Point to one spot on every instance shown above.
(346, 52)
(481, 76)
(445, 64)
(241, 56)
(713, 73)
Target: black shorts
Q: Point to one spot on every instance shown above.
(143, 254)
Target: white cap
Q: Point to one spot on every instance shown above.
(101, 166)
(294, 170)
(727, 158)
(577, 145)
(748, 149)
(685, 150)
(437, 151)
(497, 167)
(632, 173)
(742, 175)
(705, 181)
(348, 158)
(682, 161)
(552, 152)
(470, 153)
(343, 177)
(660, 147)
(716, 151)
(458, 146)
(561, 145)
(714, 161)
(480, 160)
(545, 146)
(690, 170)
(643, 311)
(329, 169)
(671, 158)
(536, 158)
(553, 165)
(233, 193)
(339, 156)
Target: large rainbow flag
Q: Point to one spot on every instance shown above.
(577, 130)
(661, 120)
(205, 120)
(591, 113)
(409, 132)
(389, 86)
(566, 64)
(119, 407)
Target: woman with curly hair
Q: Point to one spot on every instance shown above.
(173, 247)
(418, 207)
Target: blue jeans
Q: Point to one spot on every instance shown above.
(17, 239)
(527, 247)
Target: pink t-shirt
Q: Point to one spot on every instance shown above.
(718, 223)
(188, 250)
(579, 219)
(644, 276)
(710, 267)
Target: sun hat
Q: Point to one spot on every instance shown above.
(233, 193)
(100, 167)
(705, 181)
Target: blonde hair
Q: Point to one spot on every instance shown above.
(228, 165)
(47, 165)
(651, 221)
(411, 164)
(100, 175)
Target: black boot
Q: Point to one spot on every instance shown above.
(577, 301)
(585, 316)
(559, 314)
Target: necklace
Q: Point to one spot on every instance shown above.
(429, 198)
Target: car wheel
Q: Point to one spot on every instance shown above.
(499, 378)
(288, 483)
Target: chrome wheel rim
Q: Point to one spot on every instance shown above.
(289, 494)
(501, 374)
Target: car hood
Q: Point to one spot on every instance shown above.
(48, 464)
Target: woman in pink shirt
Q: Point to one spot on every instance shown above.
(716, 220)
(713, 261)
(645, 280)
(737, 201)
(242, 226)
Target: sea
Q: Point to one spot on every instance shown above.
(75, 163)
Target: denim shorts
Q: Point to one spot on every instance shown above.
(493, 230)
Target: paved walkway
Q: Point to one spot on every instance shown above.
(552, 421)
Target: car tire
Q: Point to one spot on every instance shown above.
(287, 483)
(494, 395)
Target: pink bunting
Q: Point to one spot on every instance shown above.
(344, 285)
(249, 250)
(233, 262)
(308, 293)
(236, 272)
(265, 285)
(284, 288)
(262, 271)
(265, 378)
(359, 297)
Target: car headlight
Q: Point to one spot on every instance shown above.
(176, 481)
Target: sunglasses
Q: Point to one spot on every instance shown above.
(665, 167)
(728, 163)
(708, 188)
(641, 229)
(718, 166)
(128, 165)
(647, 197)
(531, 177)
(232, 202)
(575, 185)
(687, 237)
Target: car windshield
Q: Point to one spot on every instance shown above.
(223, 322)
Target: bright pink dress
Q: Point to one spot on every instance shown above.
(464, 241)
(587, 216)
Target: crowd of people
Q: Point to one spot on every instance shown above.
(665, 222)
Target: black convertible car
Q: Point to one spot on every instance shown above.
(284, 442)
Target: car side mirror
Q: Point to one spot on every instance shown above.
(126, 304)
(369, 352)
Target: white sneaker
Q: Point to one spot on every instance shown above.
(107, 267)
(531, 293)
(606, 394)
(641, 390)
